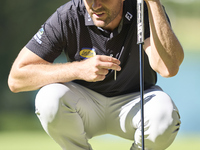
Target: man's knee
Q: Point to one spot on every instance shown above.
(164, 122)
(162, 134)
(56, 110)
(49, 101)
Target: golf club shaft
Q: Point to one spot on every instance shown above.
(140, 42)
(141, 51)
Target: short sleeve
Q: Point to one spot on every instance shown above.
(48, 42)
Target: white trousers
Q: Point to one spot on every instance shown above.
(72, 114)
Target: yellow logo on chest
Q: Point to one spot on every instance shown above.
(87, 53)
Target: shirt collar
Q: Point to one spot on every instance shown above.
(88, 19)
(128, 15)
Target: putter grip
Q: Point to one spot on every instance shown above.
(140, 21)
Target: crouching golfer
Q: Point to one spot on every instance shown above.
(97, 91)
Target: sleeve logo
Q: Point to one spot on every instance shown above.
(38, 36)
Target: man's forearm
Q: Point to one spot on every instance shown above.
(166, 53)
(34, 76)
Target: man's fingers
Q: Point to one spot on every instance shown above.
(105, 58)
(98, 67)
(109, 65)
(101, 78)
(108, 62)
(103, 71)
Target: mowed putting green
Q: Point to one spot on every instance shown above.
(38, 140)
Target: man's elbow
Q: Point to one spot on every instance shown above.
(170, 72)
(13, 85)
(173, 70)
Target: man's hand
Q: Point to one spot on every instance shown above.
(96, 68)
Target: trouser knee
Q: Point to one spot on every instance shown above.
(49, 102)
(56, 110)
(163, 132)
(162, 122)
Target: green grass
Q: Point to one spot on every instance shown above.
(22, 131)
(38, 140)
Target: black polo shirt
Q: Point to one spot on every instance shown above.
(71, 29)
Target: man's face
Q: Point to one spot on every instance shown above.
(105, 13)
